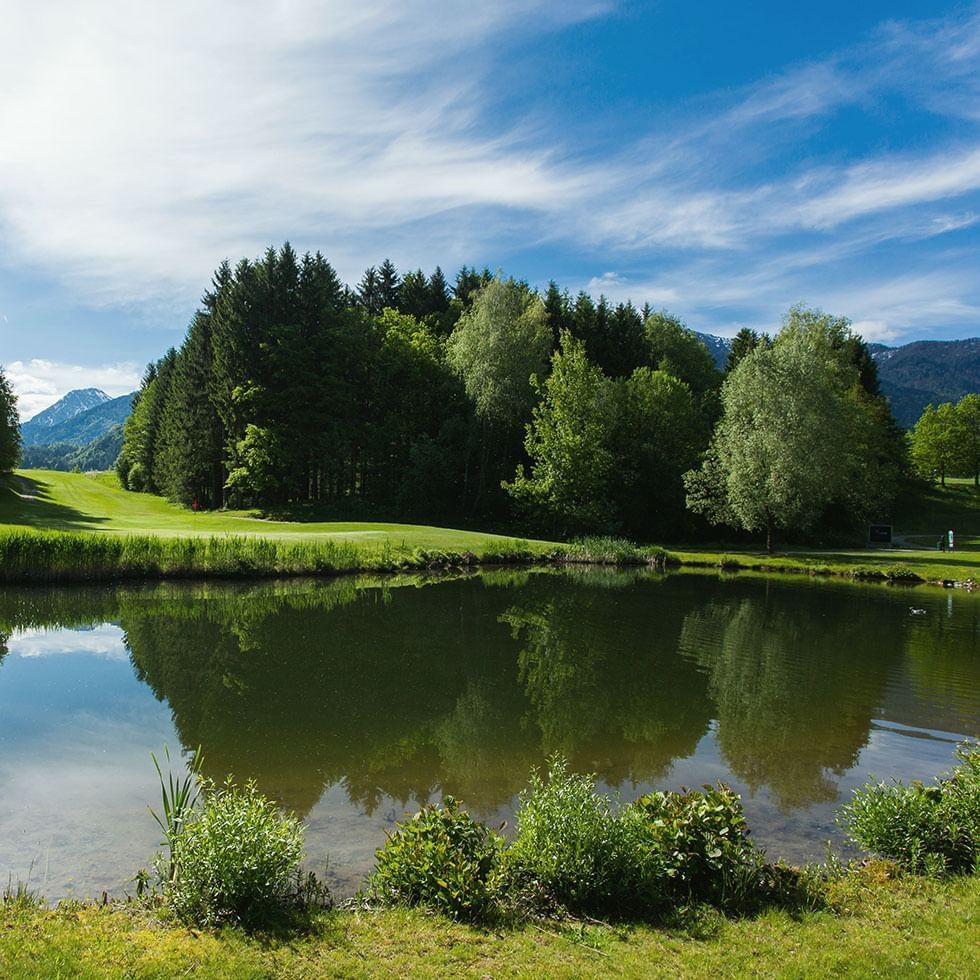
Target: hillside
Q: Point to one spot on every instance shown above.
(70, 435)
(99, 454)
(927, 371)
(35, 431)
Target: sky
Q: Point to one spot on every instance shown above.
(723, 163)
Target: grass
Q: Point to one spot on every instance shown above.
(109, 533)
(50, 500)
(921, 519)
(879, 926)
(69, 526)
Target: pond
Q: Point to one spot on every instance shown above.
(352, 702)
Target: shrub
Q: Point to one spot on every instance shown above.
(573, 851)
(701, 839)
(441, 858)
(924, 829)
(235, 857)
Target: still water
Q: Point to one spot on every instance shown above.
(353, 701)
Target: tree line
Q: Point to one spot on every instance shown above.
(488, 399)
(9, 426)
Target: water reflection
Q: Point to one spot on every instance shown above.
(384, 695)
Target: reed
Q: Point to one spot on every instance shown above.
(45, 557)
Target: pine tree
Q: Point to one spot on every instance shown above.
(438, 292)
(414, 296)
(369, 291)
(389, 285)
(9, 426)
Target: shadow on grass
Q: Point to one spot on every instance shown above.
(27, 502)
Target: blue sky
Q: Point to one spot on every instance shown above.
(722, 162)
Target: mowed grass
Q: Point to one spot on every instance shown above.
(909, 927)
(162, 539)
(921, 520)
(51, 500)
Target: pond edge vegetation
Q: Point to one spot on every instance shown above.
(666, 874)
(29, 556)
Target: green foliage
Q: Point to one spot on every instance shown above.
(786, 444)
(702, 842)
(440, 858)
(568, 445)
(968, 411)
(234, 858)
(497, 345)
(179, 796)
(678, 351)
(944, 439)
(571, 850)
(926, 829)
(10, 447)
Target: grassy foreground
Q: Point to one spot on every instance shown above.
(879, 926)
(105, 532)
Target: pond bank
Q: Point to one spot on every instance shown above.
(30, 556)
(879, 925)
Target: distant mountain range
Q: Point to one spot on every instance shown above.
(913, 375)
(84, 430)
(76, 402)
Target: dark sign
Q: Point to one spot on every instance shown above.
(880, 534)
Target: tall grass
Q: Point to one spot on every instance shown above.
(604, 550)
(31, 556)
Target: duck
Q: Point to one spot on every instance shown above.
(916, 612)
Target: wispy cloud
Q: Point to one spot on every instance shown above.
(140, 147)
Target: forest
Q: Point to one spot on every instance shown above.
(486, 400)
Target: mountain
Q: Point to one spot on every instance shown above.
(927, 372)
(78, 428)
(89, 439)
(74, 403)
(718, 348)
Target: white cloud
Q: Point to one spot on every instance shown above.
(105, 641)
(874, 331)
(39, 383)
(141, 145)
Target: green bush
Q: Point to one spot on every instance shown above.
(235, 857)
(701, 840)
(924, 829)
(441, 858)
(571, 850)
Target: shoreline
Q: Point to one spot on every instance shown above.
(31, 556)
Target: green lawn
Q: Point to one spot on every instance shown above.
(911, 927)
(51, 500)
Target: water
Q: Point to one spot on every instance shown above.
(352, 702)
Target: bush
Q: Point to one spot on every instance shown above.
(924, 829)
(571, 850)
(441, 858)
(235, 857)
(701, 840)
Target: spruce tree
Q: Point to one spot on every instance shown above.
(10, 445)
(369, 291)
(389, 285)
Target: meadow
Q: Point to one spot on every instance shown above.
(57, 526)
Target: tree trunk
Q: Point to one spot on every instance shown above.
(768, 539)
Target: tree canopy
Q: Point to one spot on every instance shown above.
(9, 426)
(408, 396)
(793, 435)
